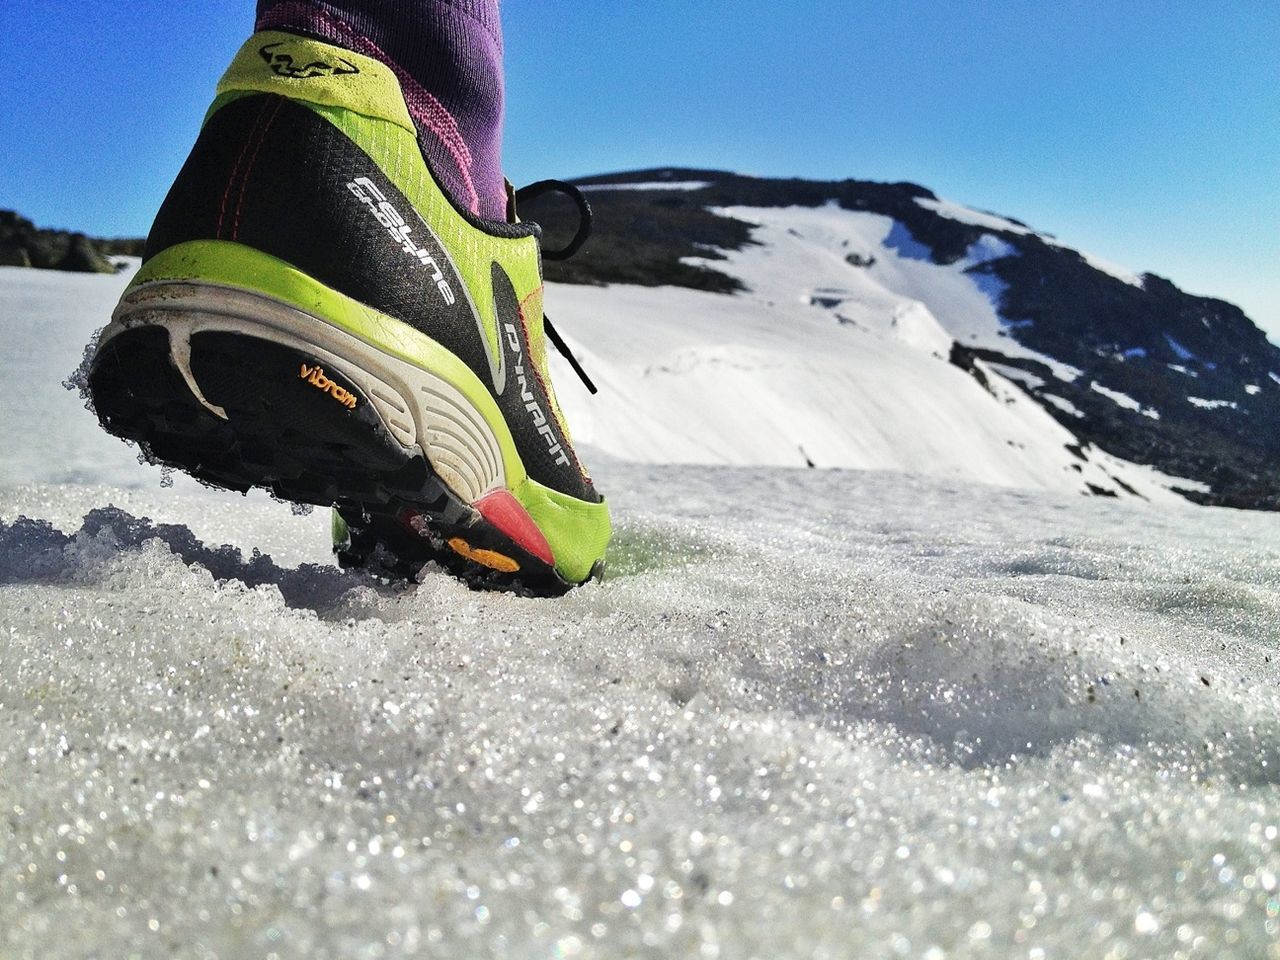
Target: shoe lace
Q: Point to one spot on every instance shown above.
(532, 192)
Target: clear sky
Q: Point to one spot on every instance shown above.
(1147, 133)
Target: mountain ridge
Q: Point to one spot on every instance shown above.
(1184, 383)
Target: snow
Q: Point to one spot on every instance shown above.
(977, 218)
(1121, 399)
(1018, 375)
(991, 221)
(964, 300)
(900, 240)
(809, 713)
(1063, 404)
(755, 379)
(820, 362)
(1252, 389)
(48, 317)
(803, 696)
(916, 326)
(1186, 371)
(987, 248)
(1112, 269)
(1124, 400)
(1179, 350)
(654, 185)
(1205, 404)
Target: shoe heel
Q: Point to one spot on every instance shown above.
(248, 411)
(274, 416)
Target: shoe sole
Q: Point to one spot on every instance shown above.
(240, 390)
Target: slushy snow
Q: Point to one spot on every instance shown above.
(810, 713)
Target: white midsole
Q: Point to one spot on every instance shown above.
(421, 411)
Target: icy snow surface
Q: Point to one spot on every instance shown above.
(811, 713)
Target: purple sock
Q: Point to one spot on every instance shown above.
(448, 57)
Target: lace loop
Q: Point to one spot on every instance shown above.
(532, 192)
(542, 187)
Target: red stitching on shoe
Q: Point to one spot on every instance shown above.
(533, 293)
(244, 181)
(235, 171)
(423, 106)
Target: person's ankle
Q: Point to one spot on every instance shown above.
(455, 100)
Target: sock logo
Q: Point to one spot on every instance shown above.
(363, 189)
(530, 401)
(315, 376)
(285, 64)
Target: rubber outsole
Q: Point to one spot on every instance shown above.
(307, 434)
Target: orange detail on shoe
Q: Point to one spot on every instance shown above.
(528, 300)
(504, 511)
(315, 376)
(486, 558)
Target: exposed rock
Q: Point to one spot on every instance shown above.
(23, 244)
(14, 255)
(83, 257)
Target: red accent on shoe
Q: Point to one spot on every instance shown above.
(504, 511)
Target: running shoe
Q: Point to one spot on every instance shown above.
(316, 317)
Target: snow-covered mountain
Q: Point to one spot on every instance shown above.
(872, 325)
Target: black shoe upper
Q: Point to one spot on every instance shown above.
(274, 175)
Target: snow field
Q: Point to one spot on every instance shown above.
(811, 713)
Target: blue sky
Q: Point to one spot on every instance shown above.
(1147, 133)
